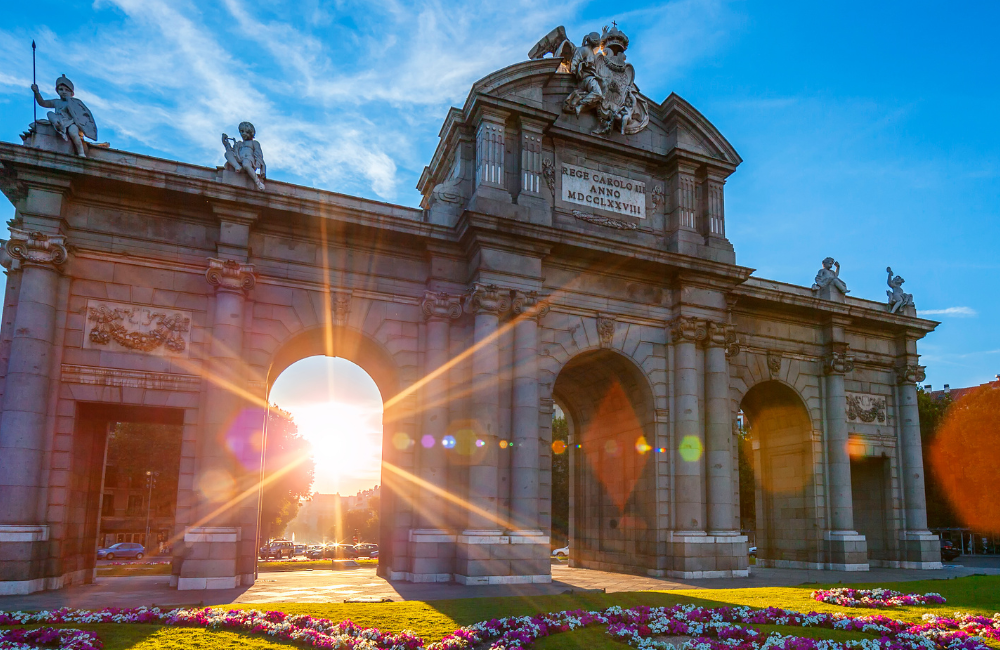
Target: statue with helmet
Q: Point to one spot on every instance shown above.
(605, 82)
(71, 118)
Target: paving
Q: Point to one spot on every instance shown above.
(321, 586)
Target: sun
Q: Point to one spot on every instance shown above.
(337, 408)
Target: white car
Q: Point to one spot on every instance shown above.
(561, 552)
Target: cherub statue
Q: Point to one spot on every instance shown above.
(897, 299)
(246, 155)
(71, 118)
(829, 275)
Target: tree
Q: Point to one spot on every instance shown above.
(560, 481)
(289, 470)
(135, 448)
(932, 411)
(965, 457)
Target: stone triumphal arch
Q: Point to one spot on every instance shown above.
(570, 250)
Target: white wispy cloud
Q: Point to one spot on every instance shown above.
(347, 96)
(950, 311)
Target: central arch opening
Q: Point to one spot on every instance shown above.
(609, 421)
(332, 409)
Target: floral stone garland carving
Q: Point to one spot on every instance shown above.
(867, 408)
(154, 329)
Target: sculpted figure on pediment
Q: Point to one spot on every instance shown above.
(245, 155)
(605, 82)
(71, 118)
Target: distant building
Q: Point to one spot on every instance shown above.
(957, 393)
(320, 514)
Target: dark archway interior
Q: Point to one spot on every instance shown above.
(124, 512)
(780, 434)
(609, 412)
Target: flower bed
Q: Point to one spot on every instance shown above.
(874, 598)
(64, 639)
(720, 628)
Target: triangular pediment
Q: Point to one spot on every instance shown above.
(689, 130)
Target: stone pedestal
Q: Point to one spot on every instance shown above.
(433, 555)
(920, 550)
(707, 556)
(491, 557)
(845, 551)
(22, 552)
(210, 562)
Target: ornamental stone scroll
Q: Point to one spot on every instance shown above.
(439, 305)
(488, 299)
(723, 335)
(341, 304)
(606, 329)
(527, 304)
(230, 276)
(35, 248)
(839, 361)
(910, 374)
(687, 329)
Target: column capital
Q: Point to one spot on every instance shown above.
(722, 335)
(230, 276)
(910, 374)
(839, 360)
(529, 305)
(440, 305)
(35, 249)
(487, 299)
(686, 329)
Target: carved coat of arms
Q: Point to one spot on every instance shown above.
(137, 329)
(605, 82)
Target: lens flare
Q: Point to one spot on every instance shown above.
(690, 448)
(402, 441)
(448, 442)
(427, 441)
(503, 444)
(641, 445)
(558, 447)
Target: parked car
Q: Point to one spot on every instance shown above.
(316, 552)
(279, 548)
(948, 551)
(752, 551)
(366, 549)
(300, 549)
(122, 550)
(341, 551)
(561, 552)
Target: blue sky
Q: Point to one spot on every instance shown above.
(869, 130)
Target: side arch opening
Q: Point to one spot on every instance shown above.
(612, 500)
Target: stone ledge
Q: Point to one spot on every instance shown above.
(190, 584)
(728, 573)
(482, 537)
(21, 587)
(502, 580)
(10, 533)
(212, 535)
(428, 535)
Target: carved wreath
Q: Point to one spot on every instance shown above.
(165, 330)
(855, 411)
(607, 222)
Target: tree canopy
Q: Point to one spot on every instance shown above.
(289, 470)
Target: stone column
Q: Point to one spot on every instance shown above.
(689, 436)
(486, 302)
(213, 543)
(482, 550)
(439, 309)
(922, 549)
(847, 549)
(718, 431)
(26, 395)
(524, 480)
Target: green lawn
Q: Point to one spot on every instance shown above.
(264, 567)
(434, 619)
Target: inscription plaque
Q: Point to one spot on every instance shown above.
(603, 191)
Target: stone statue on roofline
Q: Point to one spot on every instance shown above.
(898, 301)
(828, 284)
(605, 82)
(71, 118)
(245, 155)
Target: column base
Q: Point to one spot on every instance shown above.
(22, 565)
(846, 550)
(432, 554)
(696, 554)
(495, 557)
(920, 549)
(210, 561)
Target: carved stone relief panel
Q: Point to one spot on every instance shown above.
(866, 408)
(122, 327)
